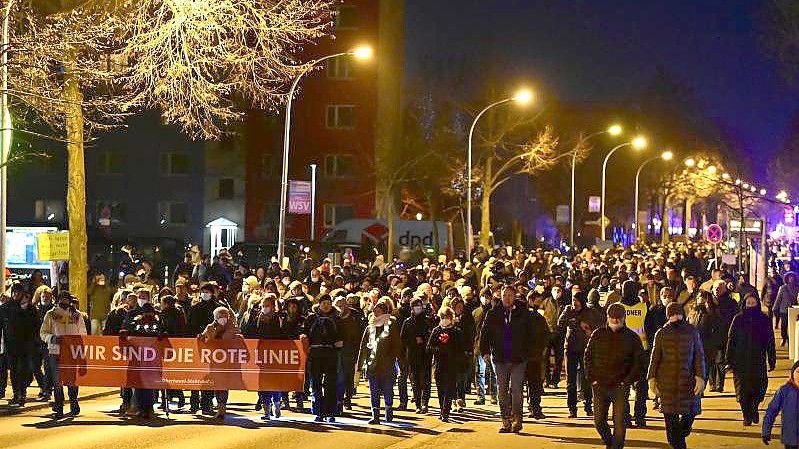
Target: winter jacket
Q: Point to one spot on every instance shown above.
(540, 337)
(447, 346)
(380, 349)
(749, 346)
(59, 322)
(143, 321)
(215, 331)
(519, 329)
(114, 320)
(786, 400)
(552, 312)
(19, 328)
(677, 359)
(708, 324)
(259, 326)
(415, 334)
(200, 315)
(173, 322)
(614, 357)
(99, 300)
(655, 319)
(573, 323)
(786, 297)
(465, 322)
(323, 331)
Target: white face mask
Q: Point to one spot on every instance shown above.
(142, 302)
(222, 321)
(665, 301)
(417, 310)
(485, 301)
(314, 279)
(205, 296)
(286, 282)
(615, 327)
(446, 322)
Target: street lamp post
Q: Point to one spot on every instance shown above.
(313, 202)
(522, 97)
(614, 130)
(360, 53)
(5, 143)
(637, 143)
(666, 156)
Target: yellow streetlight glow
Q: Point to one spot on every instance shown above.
(639, 142)
(763, 191)
(615, 130)
(746, 185)
(363, 52)
(712, 169)
(782, 194)
(725, 176)
(737, 182)
(667, 156)
(690, 162)
(523, 97)
(752, 189)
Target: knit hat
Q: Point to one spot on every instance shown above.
(673, 309)
(616, 311)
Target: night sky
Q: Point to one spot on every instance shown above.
(597, 51)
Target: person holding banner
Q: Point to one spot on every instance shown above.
(18, 320)
(223, 328)
(59, 321)
(262, 321)
(143, 321)
(198, 317)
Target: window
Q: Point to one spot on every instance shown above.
(226, 188)
(110, 212)
(47, 210)
(267, 165)
(174, 164)
(341, 68)
(336, 213)
(339, 166)
(270, 215)
(347, 17)
(110, 163)
(173, 212)
(340, 116)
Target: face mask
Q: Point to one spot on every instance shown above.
(286, 282)
(142, 302)
(245, 288)
(314, 279)
(665, 301)
(205, 296)
(446, 322)
(417, 310)
(101, 282)
(221, 321)
(43, 302)
(266, 310)
(485, 301)
(615, 327)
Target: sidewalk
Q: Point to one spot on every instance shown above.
(85, 393)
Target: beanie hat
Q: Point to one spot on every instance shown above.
(673, 309)
(616, 311)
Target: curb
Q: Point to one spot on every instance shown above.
(45, 405)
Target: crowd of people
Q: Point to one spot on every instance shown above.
(653, 322)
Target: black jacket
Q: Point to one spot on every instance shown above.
(492, 337)
(447, 347)
(613, 358)
(114, 321)
(143, 321)
(415, 352)
(267, 328)
(19, 327)
(655, 319)
(201, 315)
(173, 322)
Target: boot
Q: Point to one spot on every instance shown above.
(389, 414)
(123, 408)
(220, 412)
(74, 408)
(375, 416)
(276, 409)
(506, 426)
(517, 424)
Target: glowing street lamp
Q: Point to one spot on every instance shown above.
(763, 192)
(522, 97)
(638, 143)
(690, 162)
(664, 156)
(361, 53)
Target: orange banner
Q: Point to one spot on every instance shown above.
(183, 363)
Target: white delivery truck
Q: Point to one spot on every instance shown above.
(407, 233)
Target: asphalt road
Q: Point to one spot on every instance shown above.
(98, 426)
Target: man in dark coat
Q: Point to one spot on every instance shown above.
(576, 322)
(727, 308)
(322, 331)
(504, 340)
(415, 333)
(535, 365)
(18, 319)
(352, 326)
(614, 359)
(143, 321)
(199, 316)
(677, 374)
(402, 313)
(749, 347)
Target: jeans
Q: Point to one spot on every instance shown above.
(485, 374)
(465, 373)
(604, 396)
(402, 383)
(323, 373)
(144, 399)
(554, 349)
(678, 427)
(201, 399)
(420, 383)
(221, 397)
(535, 384)
(38, 366)
(382, 385)
(345, 387)
(58, 391)
(784, 326)
(3, 373)
(575, 369)
(20, 365)
(510, 380)
(267, 398)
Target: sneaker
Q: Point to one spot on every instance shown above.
(589, 411)
(319, 419)
(330, 419)
(539, 415)
(572, 414)
(517, 425)
(74, 409)
(276, 411)
(265, 417)
(57, 414)
(424, 410)
(506, 426)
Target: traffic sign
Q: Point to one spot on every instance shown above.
(714, 234)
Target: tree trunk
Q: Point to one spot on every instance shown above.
(390, 222)
(517, 232)
(432, 203)
(666, 222)
(689, 205)
(485, 205)
(76, 189)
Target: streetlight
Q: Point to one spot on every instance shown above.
(522, 97)
(613, 130)
(690, 162)
(665, 156)
(362, 53)
(637, 143)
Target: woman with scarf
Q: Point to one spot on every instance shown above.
(749, 346)
(380, 348)
(223, 328)
(447, 346)
(706, 319)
